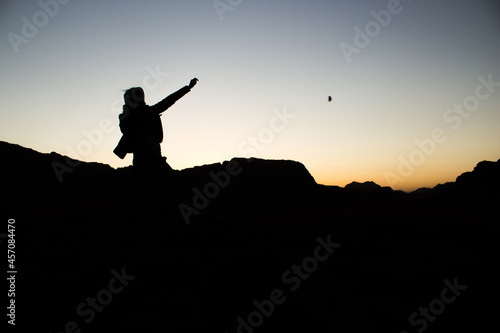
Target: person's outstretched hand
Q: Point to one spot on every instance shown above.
(193, 83)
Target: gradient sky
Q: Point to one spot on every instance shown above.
(255, 59)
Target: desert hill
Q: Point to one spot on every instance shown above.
(256, 238)
(30, 173)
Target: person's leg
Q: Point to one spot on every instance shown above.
(161, 188)
(150, 193)
(170, 178)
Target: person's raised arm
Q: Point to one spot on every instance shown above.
(171, 99)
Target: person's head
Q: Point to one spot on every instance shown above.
(134, 97)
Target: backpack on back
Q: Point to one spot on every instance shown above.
(126, 142)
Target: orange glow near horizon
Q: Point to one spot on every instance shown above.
(265, 73)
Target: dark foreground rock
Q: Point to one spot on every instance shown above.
(272, 252)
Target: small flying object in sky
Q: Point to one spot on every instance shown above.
(329, 98)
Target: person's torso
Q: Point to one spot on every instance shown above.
(148, 133)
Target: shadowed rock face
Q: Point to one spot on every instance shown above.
(484, 180)
(49, 178)
(255, 174)
(368, 188)
(28, 172)
(396, 249)
(27, 165)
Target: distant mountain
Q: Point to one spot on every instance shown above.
(483, 180)
(480, 184)
(368, 188)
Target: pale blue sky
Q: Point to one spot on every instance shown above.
(263, 57)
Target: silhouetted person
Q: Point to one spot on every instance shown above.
(142, 134)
